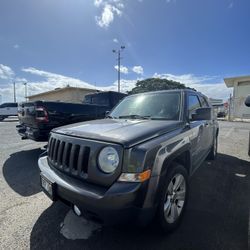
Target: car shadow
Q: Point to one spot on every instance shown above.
(216, 217)
(21, 172)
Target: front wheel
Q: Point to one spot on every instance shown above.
(1, 118)
(173, 198)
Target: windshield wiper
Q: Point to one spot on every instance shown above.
(134, 117)
(111, 117)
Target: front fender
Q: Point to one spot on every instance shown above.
(165, 155)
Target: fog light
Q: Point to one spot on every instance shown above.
(77, 210)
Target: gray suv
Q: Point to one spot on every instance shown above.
(133, 166)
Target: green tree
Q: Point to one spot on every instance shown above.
(154, 84)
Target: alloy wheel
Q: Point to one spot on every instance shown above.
(175, 198)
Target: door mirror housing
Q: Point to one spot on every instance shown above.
(202, 114)
(107, 113)
(247, 101)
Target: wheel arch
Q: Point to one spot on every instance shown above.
(181, 156)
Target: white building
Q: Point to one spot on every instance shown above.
(241, 89)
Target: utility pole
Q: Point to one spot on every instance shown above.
(14, 86)
(229, 107)
(118, 52)
(25, 90)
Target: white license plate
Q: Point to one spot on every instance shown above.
(48, 187)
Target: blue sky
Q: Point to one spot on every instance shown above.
(51, 43)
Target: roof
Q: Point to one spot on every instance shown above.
(59, 90)
(231, 80)
(168, 91)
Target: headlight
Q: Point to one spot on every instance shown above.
(108, 160)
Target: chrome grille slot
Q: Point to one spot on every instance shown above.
(83, 160)
(73, 158)
(68, 157)
(60, 153)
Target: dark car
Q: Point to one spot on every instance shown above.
(135, 165)
(38, 118)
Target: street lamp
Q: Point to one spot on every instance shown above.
(25, 90)
(14, 89)
(118, 52)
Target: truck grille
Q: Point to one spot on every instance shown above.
(67, 157)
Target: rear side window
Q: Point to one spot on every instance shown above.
(193, 104)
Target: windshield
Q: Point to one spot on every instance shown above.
(158, 106)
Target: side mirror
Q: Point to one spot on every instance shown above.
(247, 101)
(202, 114)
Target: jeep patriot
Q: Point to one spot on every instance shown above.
(134, 165)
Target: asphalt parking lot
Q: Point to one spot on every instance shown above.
(217, 215)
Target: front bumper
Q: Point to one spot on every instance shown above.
(118, 204)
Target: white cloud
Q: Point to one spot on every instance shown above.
(170, 1)
(115, 40)
(57, 80)
(231, 5)
(123, 69)
(106, 18)
(97, 3)
(110, 8)
(16, 46)
(209, 85)
(138, 70)
(6, 72)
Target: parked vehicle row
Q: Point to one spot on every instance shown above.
(38, 118)
(134, 165)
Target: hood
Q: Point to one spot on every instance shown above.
(121, 131)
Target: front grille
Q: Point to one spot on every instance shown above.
(68, 157)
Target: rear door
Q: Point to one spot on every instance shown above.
(208, 128)
(3, 109)
(13, 109)
(197, 128)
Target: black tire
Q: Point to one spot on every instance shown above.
(163, 215)
(213, 152)
(1, 118)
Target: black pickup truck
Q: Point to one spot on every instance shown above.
(37, 119)
(134, 165)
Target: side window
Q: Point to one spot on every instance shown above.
(204, 103)
(4, 105)
(13, 105)
(193, 104)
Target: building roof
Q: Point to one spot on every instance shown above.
(231, 80)
(59, 90)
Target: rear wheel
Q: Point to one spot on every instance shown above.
(2, 118)
(173, 198)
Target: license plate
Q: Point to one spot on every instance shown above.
(48, 187)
